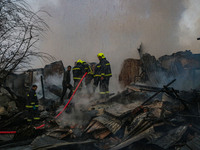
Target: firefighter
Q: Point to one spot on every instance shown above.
(97, 76)
(105, 72)
(89, 76)
(78, 72)
(32, 106)
(66, 84)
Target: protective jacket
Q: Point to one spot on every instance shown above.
(97, 76)
(97, 70)
(87, 68)
(32, 100)
(78, 71)
(105, 69)
(32, 107)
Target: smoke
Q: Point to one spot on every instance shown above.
(190, 26)
(51, 82)
(76, 113)
(81, 29)
(37, 81)
(55, 79)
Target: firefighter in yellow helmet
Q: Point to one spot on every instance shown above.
(78, 72)
(105, 74)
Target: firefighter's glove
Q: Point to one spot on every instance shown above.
(34, 108)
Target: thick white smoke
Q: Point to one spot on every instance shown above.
(81, 29)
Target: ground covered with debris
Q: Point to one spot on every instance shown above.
(133, 119)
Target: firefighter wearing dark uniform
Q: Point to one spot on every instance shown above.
(97, 76)
(78, 72)
(66, 84)
(105, 72)
(32, 106)
(89, 76)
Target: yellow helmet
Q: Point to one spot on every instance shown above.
(79, 61)
(101, 55)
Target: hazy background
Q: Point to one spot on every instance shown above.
(80, 29)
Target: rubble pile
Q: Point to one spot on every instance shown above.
(10, 103)
(169, 120)
(166, 122)
(142, 116)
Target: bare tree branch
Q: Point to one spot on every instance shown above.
(20, 30)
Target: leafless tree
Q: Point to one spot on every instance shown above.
(20, 30)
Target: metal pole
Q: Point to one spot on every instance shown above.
(42, 87)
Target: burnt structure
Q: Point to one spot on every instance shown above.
(184, 66)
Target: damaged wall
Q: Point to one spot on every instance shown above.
(131, 68)
(183, 65)
(31, 77)
(21, 83)
(53, 68)
(186, 59)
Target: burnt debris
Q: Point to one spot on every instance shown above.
(159, 108)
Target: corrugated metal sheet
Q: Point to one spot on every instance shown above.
(96, 126)
(111, 123)
(90, 124)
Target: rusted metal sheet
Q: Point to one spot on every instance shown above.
(102, 135)
(96, 126)
(111, 123)
(90, 124)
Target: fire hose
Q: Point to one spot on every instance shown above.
(13, 132)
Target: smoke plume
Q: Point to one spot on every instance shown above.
(81, 29)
